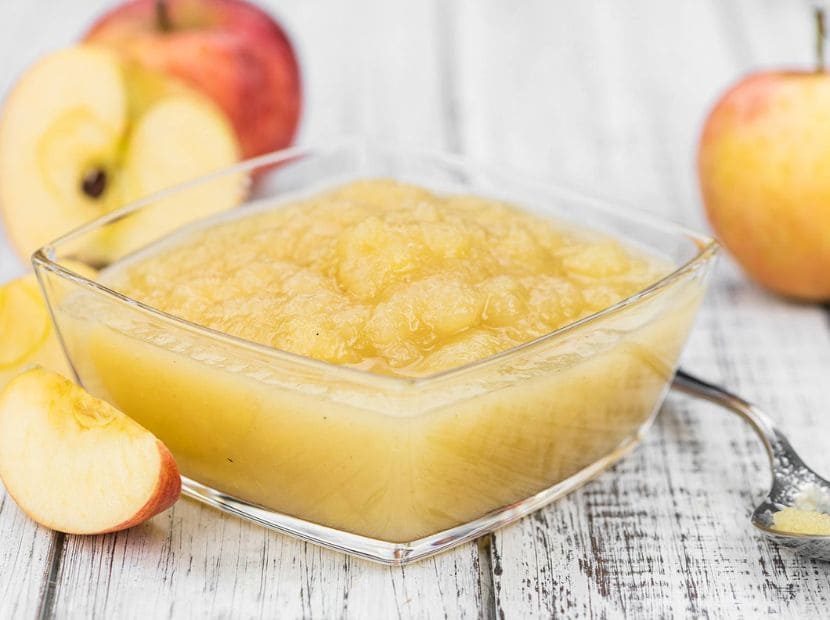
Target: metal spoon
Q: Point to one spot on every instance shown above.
(791, 478)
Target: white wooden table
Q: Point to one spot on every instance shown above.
(603, 95)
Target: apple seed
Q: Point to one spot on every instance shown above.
(94, 183)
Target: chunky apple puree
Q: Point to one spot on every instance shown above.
(388, 277)
(393, 279)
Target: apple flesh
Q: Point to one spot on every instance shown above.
(28, 335)
(230, 50)
(762, 163)
(76, 464)
(83, 133)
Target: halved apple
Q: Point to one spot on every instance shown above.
(75, 463)
(83, 133)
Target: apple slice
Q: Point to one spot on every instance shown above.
(27, 334)
(83, 133)
(75, 463)
(27, 337)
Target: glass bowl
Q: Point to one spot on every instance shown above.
(387, 468)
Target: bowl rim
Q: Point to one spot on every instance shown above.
(45, 257)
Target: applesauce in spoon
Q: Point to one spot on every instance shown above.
(404, 284)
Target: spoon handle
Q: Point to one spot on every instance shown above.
(781, 454)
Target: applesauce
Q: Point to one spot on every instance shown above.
(794, 520)
(387, 277)
(403, 283)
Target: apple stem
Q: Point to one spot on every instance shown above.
(821, 35)
(163, 16)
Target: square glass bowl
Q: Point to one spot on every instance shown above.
(390, 469)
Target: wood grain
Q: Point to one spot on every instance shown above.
(194, 561)
(603, 95)
(26, 555)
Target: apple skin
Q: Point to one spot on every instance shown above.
(229, 49)
(763, 163)
(167, 492)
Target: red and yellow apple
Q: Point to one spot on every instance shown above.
(763, 163)
(230, 50)
(75, 463)
(84, 132)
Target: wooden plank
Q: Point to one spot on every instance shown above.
(598, 95)
(611, 96)
(370, 67)
(26, 553)
(194, 561)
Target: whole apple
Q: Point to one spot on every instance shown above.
(763, 164)
(229, 49)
